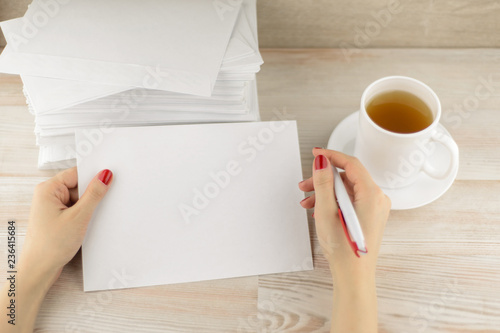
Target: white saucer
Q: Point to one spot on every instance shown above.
(425, 190)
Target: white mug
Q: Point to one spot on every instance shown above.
(395, 160)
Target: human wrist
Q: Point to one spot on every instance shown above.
(355, 291)
(354, 284)
(352, 301)
(37, 277)
(353, 276)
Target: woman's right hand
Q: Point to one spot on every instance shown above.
(372, 207)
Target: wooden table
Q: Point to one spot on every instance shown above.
(439, 267)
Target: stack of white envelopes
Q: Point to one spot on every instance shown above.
(97, 65)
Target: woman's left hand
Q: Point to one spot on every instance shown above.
(56, 228)
(58, 221)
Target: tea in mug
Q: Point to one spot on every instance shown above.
(400, 112)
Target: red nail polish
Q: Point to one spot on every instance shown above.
(105, 176)
(320, 162)
(318, 147)
(301, 201)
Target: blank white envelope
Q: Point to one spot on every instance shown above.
(193, 202)
(157, 44)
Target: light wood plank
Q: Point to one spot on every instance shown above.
(328, 23)
(10, 93)
(416, 293)
(464, 221)
(19, 155)
(15, 202)
(212, 306)
(439, 293)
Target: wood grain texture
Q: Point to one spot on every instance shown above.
(211, 306)
(329, 23)
(439, 268)
(416, 293)
(340, 23)
(16, 126)
(10, 93)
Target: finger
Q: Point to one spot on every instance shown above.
(68, 177)
(325, 202)
(73, 195)
(308, 202)
(355, 171)
(57, 187)
(307, 185)
(95, 192)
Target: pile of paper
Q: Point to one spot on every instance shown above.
(105, 64)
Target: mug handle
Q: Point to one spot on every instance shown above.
(452, 147)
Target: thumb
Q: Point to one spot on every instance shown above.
(95, 192)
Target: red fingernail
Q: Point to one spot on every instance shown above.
(320, 162)
(318, 147)
(301, 201)
(105, 176)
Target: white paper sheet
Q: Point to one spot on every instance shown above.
(155, 228)
(128, 43)
(47, 94)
